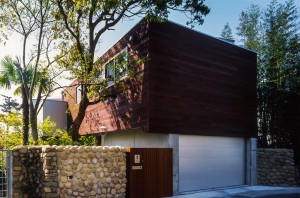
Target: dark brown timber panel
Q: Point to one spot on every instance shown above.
(200, 85)
(154, 180)
(189, 83)
(128, 107)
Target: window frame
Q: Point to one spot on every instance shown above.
(114, 59)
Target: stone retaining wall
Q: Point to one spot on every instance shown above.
(275, 167)
(69, 171)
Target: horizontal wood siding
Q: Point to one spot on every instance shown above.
(190, 83)
(200, 85)
(129, 109)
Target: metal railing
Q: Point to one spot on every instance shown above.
(5, 173)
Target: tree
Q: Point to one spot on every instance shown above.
(33, 21)
(9, 104)
(274, 34)
(250, 28)
(82, 23)
(227, 33)
(11, 73)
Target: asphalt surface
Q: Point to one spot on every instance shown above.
(246, 192)
(269, 194)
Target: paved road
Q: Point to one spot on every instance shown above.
(269, 194)
(246, 192)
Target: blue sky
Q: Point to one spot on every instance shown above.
(222, 11)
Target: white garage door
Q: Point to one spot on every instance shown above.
(210, 162)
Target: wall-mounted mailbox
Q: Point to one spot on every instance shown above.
(137, 159)
(137, 167)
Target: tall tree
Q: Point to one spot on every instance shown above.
(227, 33)
(274, 34)
(32, 20)
(250, 28)
(11, 73)
(85, 22)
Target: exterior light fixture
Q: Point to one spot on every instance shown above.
(103, 131)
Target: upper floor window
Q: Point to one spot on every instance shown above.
(79, 92)
(116, 68)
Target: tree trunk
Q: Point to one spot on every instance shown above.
(75, 125)
(25, 118)
(34, 130)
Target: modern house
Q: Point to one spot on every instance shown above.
(192, 92)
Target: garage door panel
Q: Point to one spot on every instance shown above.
(208, 141)
(209, 152)
(232, 162)
(210, 162)
(197, 163)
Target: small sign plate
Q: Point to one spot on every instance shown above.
(137, 159)
(137, 167)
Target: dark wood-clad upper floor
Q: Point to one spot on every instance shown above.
(199, 84)
(189, 83)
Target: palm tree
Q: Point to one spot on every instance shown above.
(11, 73)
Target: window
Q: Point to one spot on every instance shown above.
(116, 68)
(78, 94)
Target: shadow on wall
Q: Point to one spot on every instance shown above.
(28, 171)
(129, 109)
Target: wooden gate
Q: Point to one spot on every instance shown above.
(149, 173)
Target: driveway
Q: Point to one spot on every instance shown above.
(246, 192)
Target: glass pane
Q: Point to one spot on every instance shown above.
(109, 72)
(121, 64)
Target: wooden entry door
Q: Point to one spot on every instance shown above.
(149, 173)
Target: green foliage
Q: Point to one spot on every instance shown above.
(10, 132)
(59, 137)
(274, 34)
(9, 104)
(10, 140)
(11, 136)
(87, 140)
(250, 28)
(52, 136)
(11, 122)
(227, 32)
(47, 127)
(11, 73)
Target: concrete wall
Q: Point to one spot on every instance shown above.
(57, 110)
(276, 167)
(69, 171)
(251, 163)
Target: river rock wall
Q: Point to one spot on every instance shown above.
(276, 167)
(69, 171)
